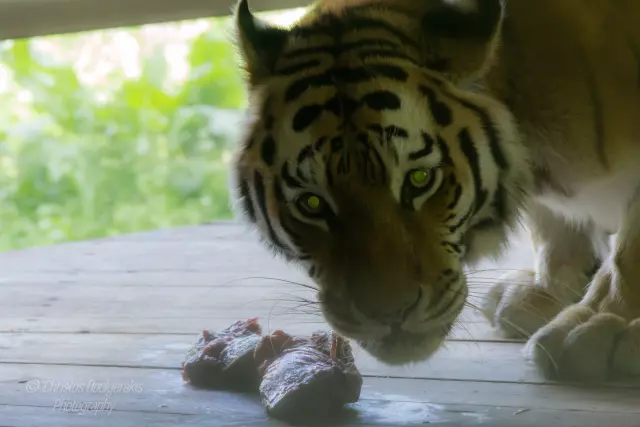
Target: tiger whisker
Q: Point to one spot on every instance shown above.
(290, 282)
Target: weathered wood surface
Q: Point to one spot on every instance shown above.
(123, 310)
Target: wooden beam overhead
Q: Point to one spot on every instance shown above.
(31, 18)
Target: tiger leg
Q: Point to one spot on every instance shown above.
(599, 337)
(566, 257)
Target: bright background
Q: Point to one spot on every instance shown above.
(111, 132)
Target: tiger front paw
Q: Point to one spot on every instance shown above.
(518, 307)
(584, 345)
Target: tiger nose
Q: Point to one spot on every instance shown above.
(399, 316)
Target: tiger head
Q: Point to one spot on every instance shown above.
(372, 160)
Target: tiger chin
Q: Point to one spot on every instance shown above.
(391, 144)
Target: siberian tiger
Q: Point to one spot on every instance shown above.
(391, 143)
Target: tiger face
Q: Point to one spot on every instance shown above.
(377, 173)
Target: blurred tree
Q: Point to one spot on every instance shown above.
(135, 153)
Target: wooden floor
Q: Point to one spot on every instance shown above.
(93, 334)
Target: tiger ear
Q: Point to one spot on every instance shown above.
(461, 36)
(260, 43)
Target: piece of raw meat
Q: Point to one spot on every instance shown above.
(225, 359)
(297, 377)
(306, 377)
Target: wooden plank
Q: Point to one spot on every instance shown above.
(383, 401)
(502, 362)
(223, 251)
(231, 302)
(177, 310)
(215, 256)
(250, 273)
(30, 18)
(224, 258)
(189, 326)
(220, 229)
(155, 279)
(376, 414)
(164, 391)
(299, 325)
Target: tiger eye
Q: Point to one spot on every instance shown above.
(311, 205)
(313, 202)
(419, 178)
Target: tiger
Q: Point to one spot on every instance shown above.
(391, 145)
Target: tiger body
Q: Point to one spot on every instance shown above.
(573, 89)
(392, 143)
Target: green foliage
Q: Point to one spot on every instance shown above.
(80, 161)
